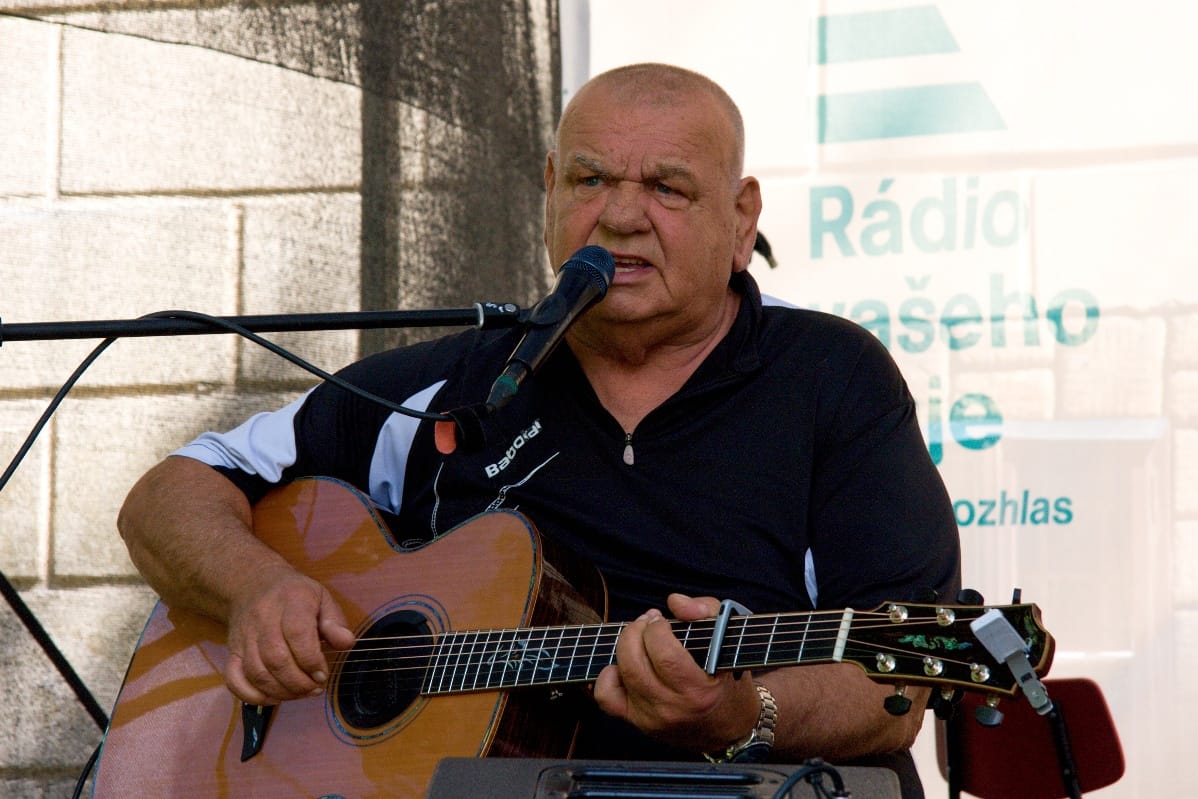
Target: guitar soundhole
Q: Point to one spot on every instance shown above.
(383, 673)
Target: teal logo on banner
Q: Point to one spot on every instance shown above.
(895, 112)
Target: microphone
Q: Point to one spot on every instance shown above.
(581, 282)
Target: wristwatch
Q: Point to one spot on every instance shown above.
(760, 742)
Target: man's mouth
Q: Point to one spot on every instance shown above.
(627, 264)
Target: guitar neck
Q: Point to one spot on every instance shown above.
(476, 660)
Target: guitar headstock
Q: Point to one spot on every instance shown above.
(925, 644)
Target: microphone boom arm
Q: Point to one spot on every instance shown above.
(483, 315)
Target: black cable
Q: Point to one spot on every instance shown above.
(10, 593)
(87, 770)
(762, 246)
(811, 771)
(216, 321)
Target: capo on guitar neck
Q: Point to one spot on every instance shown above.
(717, 633)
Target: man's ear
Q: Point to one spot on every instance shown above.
(748, 209)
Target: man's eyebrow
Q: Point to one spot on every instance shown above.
(587, 162)
(670, 171)
(661, 172)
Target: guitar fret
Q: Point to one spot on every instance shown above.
(538, 668)
(597, 632)
(465, 650)
(453, 657)
(493, 657)
(557, 655)
(527, 663)
(740, 639)
(603, 638)
(524, 644)
(770, 643)
(435, 666)
(462, 667)
(705, 632)
(569, 676)
(461, 659)
(803, 645)
(534, 657)
(482, 641)
(801, 639)
(437, 673)
(589, 670)
(471, 670)
(490, 659)
(499, 656)
(545, 671)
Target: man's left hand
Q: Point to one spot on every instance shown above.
(657, 685)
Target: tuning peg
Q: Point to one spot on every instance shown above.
(968, 596)
(897, 704)
(988, 714)
(944, 703)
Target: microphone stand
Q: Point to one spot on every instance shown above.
(482, 315)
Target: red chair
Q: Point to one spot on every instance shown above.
(1072, 749)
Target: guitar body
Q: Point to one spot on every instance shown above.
(177, 731)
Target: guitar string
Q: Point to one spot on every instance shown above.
(468, 677)
(749, 632)
(472, 653)
(587, 633)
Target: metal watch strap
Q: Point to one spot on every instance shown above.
(760, 742)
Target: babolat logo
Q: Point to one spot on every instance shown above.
(509, 456)
(885, 111)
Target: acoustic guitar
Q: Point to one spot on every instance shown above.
(472, 645)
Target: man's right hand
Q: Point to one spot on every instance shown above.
(275, 637)
(189, 532)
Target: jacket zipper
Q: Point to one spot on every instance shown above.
(628, 456)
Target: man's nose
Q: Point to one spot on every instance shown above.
(625, 210)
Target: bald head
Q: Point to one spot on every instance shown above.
(665, 85)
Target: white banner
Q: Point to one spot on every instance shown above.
(1002, 193)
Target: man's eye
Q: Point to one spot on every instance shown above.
(662, 188)
(592, 181)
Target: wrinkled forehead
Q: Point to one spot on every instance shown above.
(648, 130)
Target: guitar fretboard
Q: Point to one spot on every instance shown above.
(497, 659)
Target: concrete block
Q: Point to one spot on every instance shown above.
(1022, 395)
(1185, 458)
(114, 260)
(96, 629)
(1119, 372)
(24, 509)
(1182, 388)
(1185, 556)
(1183, 692)
(28, 97)
(1183, 339)
(47, 788)
(143, 116)
(103, 445)
(301, 255)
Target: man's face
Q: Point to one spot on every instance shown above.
(652, 181)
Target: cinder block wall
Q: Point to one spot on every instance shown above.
(138, 176)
